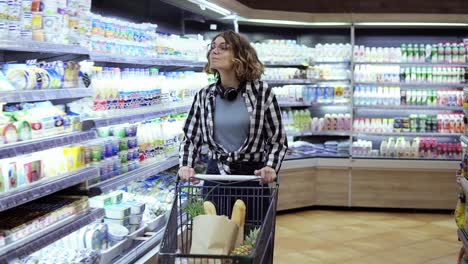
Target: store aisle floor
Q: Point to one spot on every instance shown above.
(365, 237)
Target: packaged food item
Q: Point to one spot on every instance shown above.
(117, 211)
(100, 201)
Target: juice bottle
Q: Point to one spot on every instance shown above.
(447, 53)
(455, 53)
(461, 53)
(434, 54)
(422, 53)
(440, 53)
(404, 53)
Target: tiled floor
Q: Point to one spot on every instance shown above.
(365, 237)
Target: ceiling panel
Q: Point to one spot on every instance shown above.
(362, 6)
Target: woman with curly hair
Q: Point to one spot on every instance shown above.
(238, 117)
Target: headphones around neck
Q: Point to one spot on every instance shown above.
(228, 93)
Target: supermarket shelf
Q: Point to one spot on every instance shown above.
(303, 104)
(407, 107)
(316, 163)
(414, 85)
(141, 249)
(146, 170)
(331, 104)
(30, 146)
(330, 62)
(416, 64)
(321, 133)
(97, 57)
(332, 80)
(292, 157)
(365, 163)
(397, 158)
(463, 236)
(48, 235)
(43, 95)
(464, 139)
(464, 184)
(294, 104)
(409, 134)
(43, 47)
(284, 64)
(399, 164)
(150, 112)
(44, 187)
(290, 81)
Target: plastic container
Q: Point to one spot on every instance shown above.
(117, 232)
(136, 208)
(117, 211)
(135, 219)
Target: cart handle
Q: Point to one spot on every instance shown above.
(239, 178)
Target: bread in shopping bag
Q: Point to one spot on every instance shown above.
(238, 217)
(209, 208)
(213, 235)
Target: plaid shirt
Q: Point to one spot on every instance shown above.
(266, 140)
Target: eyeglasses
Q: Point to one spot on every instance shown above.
(223, 47)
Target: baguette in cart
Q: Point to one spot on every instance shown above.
(223, 223)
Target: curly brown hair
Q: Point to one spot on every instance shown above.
(246, 63)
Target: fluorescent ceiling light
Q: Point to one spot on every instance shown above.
(213, 7)
(416, 24)
(293, 23)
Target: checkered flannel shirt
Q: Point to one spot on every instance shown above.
(266, 141)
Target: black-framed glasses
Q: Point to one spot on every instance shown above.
(222, 47)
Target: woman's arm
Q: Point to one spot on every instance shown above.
(192, 141)
(275, 135)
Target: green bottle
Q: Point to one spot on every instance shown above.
(404, 53)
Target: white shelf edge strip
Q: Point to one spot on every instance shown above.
(414, 63)
(168, 61)
(48, 186)
(407, 134)
(444, 85)
(322, 133)
(406, 107)
(44, 95)
(396, 164)
(141, 173)
(142, 249)
(48, 235)
(30, 146)
(150, 113)
(34, 46)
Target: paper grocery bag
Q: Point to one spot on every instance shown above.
(213, 235)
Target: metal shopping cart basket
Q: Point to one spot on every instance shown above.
(223, 191)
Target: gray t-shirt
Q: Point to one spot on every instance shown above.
(231, 122)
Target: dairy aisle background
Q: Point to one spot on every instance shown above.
(94, 95)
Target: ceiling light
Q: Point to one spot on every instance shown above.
(293, 23)
(213, 7)
(412, 24)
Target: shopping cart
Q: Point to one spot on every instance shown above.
(176, 243)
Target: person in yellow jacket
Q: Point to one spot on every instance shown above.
(460, 217)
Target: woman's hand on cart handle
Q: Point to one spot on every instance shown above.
(186, 173)
(267, 174)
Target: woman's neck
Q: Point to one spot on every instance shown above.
(228, 79)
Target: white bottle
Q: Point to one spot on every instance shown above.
(383, 148)
(391, 147)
